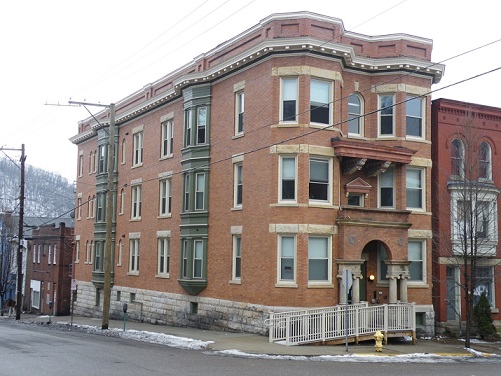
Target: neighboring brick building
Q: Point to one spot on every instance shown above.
(249, 179)
(51, 258)
(466, 184)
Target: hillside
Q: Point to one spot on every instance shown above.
(46, 194)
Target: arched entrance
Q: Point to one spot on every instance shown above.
(377, 278)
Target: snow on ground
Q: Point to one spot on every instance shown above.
(193, 344)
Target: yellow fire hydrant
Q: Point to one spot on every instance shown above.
(378, 337)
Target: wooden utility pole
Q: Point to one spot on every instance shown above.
(109, 220)
(20, 237)
(109, 210)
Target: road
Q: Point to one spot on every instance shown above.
(40, 350)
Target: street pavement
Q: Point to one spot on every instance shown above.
(256, 344)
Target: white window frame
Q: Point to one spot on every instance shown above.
(420, 116)
(135, 212)
(200, 191)
(421, 189)
(55, 254)
(79, 208)
(422, 243)
(198, 259)
(459, 159)
(237, 185)
(380, 186)
(80, 164)
(289, 96)
(201, 125)
(122, 202)
(236, 270)
(356, 116)
(328, 259)
(281, 178)
(124, 143)
(239, 112)
(380, 109)
(134, 249)
(329, 184)
(286, 282)
(137, 155)
(163, 250)
(361, 199)
(49, 259)
(120, 252)
(314, 81)
(186, 193)
(167, 139)
(477, 292)
(77, 251)
(165, 197)
(487, 162)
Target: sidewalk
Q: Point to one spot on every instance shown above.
(255, 344)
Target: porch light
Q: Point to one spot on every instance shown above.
(371, 278)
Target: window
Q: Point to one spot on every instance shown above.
(289, 99)
(198, 254)
(414, 181)
(188, 127)
(414, 117)
(55, 254)
(101, 166)
(319, 102)
(416, 255)
(79, 208)
(34, 254)
(87, 252)
(287, 184)
(386, 189)
(201, 125)
(39, 252)
(165, 197)
(355, 120)
(91, 162)
(49, 259)
(237, 257)
(100, 207)
(137, 158)
(94, 203)
(89, 207)
(163, 256)
(120, 252)
(481, 216)
(134, 256)
(287, 258)
(184, 265)
(320, 180)
(122, 201)
(77, 250)
(382, 267)
(98, 256)
(386, 115)
(94, 162)
(239, 113)
(355, 199)
(80, 164)
(237, 185)
(200, 191)
(484, 283)
(123, 151)
(186, 192)
(484, 160)
(167, 139)
(457, 158)
(318, 259)
(136, 202)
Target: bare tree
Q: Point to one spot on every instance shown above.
(7, 254)
(470, 242)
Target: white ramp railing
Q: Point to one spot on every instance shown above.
(329, 323)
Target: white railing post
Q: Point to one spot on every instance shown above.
(287, 329)
(271, 329)
(323, 325)
(357, 321)
(385, 320)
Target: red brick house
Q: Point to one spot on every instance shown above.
(51, 259)
(250, 179)
(466, 185)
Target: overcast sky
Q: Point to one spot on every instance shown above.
(102, 51)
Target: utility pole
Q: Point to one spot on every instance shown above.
(109, 212)
(19, 239)
(20, 236)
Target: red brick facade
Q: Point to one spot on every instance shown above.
(471, 125)
(303, 48)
